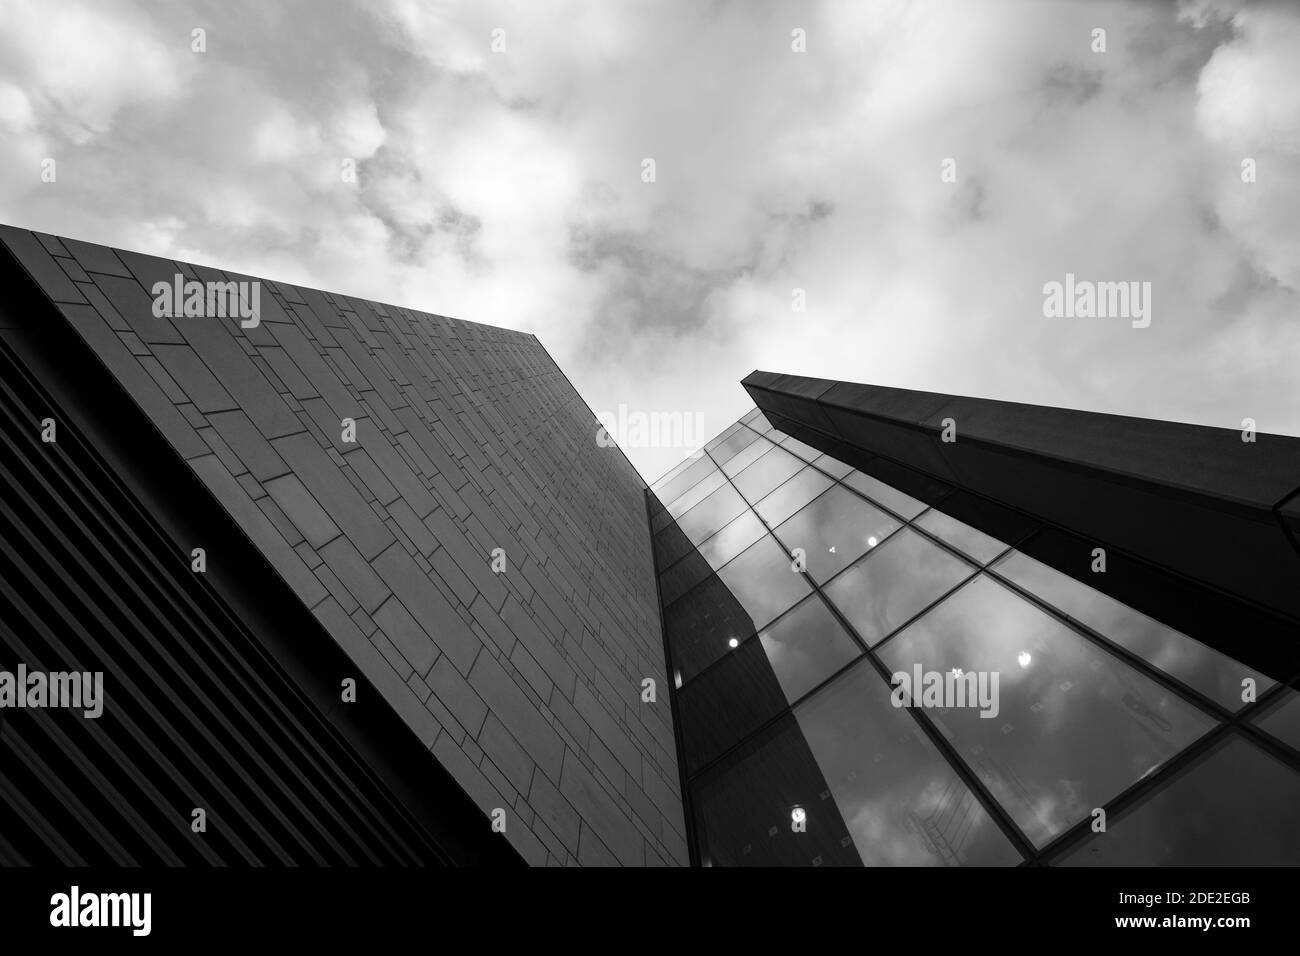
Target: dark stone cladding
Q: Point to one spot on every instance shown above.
(524, 685)
(1197, 502)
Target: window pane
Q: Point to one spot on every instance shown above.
(744, 807)
(682, 576)
(901, 801)
(832, 466)
(671, 545)
(807, 646)
(1074, 726)
(724, 704)
(672, 473)
(744, 459)
(758, 421)
(698, 563)
(760, 678)
(881, 493)
(1234, 807)
(762, 580)
(764, 475)
(969, 541)
(723, 435)
(834, 530)
(733, 539)
(661, 520)
(711, 513)
(697, 493)
(1201, 667)
(1283, 720)
(893, 583)
(792, 495)
(673, 488)
(738, 442)
(701, 627)
(801, 449)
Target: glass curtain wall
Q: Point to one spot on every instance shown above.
(795, 586)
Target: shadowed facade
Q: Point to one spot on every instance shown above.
(524, 686)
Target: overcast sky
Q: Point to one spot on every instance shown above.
(507, 187)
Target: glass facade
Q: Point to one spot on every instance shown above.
(796, 587)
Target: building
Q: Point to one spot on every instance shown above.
(351, 471)
(1132, 585)
(364, 588)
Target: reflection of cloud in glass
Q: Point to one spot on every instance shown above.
(1074, 729)
(1201, 667)
(893, 582)
(760, 580)
(806, 646)
(1236, 806)
(903, 804)
(835, 528)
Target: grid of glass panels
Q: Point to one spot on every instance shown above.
(794, 586)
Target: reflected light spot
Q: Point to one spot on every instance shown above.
(1024, 658)
(733, 642)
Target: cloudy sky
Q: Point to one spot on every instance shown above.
(507, 186)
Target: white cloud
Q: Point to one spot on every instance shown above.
(84, 62)
(505, 187)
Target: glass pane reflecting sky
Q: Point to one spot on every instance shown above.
(738, 535)
(807, 646)
(1215, 675)
(900, 800)
(693, 472)
(712, 514)
(762, 581)
(688, 499)
(805, 451)
(792, 495)
(737, 443)
(1234, 807)
(1075, 724)
(766, 474)
(743, 459)
(832, 466)
(835, 529)
(894, 582)
(972, 542)
(757, 421)
(893, 499)
(1283, 720)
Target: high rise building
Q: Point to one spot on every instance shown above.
(364, 587)
(404, 501)
(1115, 598)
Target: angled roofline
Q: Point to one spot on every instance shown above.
(1198, 503)
(269, 627)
